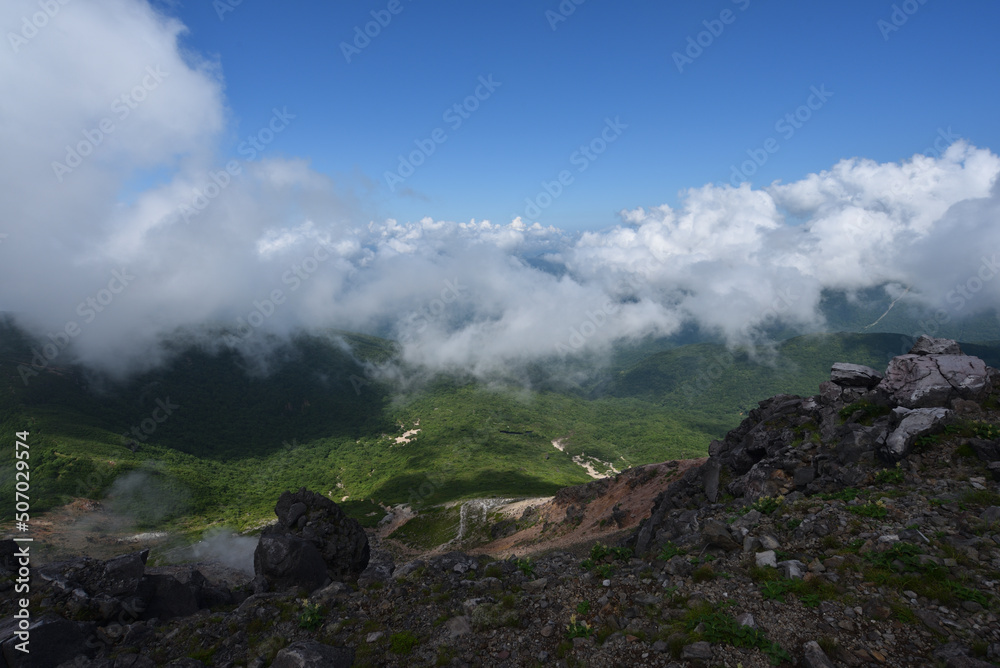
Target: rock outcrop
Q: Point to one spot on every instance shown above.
(805, 446)
(313, 543)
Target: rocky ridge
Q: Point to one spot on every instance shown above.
(858, 527)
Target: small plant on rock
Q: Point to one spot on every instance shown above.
(892, 476)
(311, 617)
(526, 566)
(577, 629)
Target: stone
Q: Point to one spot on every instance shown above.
(374, 636)
(698, 651)
(458, 626)
(769, 542)
(927, 345)
(53, 641)
(915, 381)
(312, 654)
(990, 515)
(287, 561)
(746, 619)
(121, 575)
(407, 569)
(912, 424)
(167, 597)
(767, 558)
(854, 375)
(710, 479)
(931, 621)
(716, 534)
(379, 569)
(813, 656)
(311, 530)
(536, 585)
(792, 569)
(803, 476)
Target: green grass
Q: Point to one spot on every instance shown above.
(719, 627)
(239, 438)
(403, 642)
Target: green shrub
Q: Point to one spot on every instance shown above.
(875, 510)
(403, 642)
(669, 551)
(892, 476)
(311, 617)
(526, 566)
(577, 629)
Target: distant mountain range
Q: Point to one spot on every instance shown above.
(212, 437)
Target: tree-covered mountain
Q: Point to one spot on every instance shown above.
(213, 435)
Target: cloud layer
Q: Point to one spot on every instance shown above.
(149, 228)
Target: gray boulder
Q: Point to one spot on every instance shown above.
(716, 534)
(312, 654)
(921, 381)
(854, 375)
(927, 345)
(813, 656)
(911, 425)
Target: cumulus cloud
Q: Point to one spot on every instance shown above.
(104, 261)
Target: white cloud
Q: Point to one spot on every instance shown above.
(459, 294)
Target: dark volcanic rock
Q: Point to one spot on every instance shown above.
(312, 541)
(288, 561)
(167, 597)
(53, 640)
(792, 445)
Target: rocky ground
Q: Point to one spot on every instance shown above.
(859, 527)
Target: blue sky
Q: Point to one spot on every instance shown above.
(890, 97)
